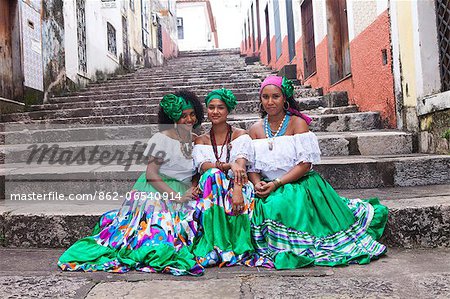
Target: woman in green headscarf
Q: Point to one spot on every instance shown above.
(154, 228)
(226, 196)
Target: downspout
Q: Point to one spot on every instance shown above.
(396, 63)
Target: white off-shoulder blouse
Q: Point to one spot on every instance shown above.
(176, 165)
(241, 147)
(287, 152)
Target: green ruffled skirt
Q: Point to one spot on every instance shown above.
(223, 238)
(308, 223)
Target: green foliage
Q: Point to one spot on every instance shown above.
(446, 135)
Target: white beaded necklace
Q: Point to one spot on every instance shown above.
(267, 128)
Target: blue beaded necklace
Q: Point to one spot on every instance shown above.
(281, 129)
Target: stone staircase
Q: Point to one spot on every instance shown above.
(119, 115)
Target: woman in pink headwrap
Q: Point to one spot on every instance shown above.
(298, 218)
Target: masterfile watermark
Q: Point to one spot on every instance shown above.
(84, 156)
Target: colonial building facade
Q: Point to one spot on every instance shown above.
(196, 25)
(387, 55)
(57, 45)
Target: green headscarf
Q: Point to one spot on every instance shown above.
(174, 106)
(225, 95)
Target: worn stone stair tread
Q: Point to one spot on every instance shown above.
(418, 217)
(331, 144)
(45, 168)
(152, 101)
(126, 141)
(144, 116)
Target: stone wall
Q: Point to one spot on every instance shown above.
(434, 136)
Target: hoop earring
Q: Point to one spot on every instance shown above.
(288, 106)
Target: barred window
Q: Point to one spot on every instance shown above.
(180, 28)
(112, 45)
(81, 35)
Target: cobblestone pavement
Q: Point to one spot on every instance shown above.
(32, 273)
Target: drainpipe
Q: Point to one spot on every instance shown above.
(396, 63)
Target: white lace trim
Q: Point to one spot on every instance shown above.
(241, 147)
(287, 152)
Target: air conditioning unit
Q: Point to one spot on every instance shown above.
(154, 18)
(179, 22)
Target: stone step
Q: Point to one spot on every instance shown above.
(361, 121)
(208, 52)
(15, 133)
(418, 218)
(194, 75)
(201, 90)
(139, 78)
(137, 101)
(192, 72)
(241, 95)
(351, 172)
(336, 144)
(162, 85)
(124, 107)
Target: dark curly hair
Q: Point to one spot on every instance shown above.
(292, 103)
(164, 119)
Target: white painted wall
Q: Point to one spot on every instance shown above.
(320, 20)
(228, 30)
(297, 19)
(426, 47)
(98, 57)
(70, 40)
(196, 26)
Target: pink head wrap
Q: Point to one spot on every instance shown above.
(278, 81)
(271, 80)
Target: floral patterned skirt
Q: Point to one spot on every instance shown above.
(145, 234)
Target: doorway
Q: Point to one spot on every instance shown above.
(258, 24)
(290, 29)
(338, 40)
(266, 13)
(309, 47)
(11, 75)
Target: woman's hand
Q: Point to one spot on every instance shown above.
(190, 194)
(259, 185)
(238, 201)
(265, 190)
(240, 174)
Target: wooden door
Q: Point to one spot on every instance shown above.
(309, 46)
(6, 59)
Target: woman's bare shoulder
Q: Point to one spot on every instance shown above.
(256, 130)
(202, 139)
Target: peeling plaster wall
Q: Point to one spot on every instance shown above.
(135, 31)
(71, 42)
(53, 52)
(167, 12)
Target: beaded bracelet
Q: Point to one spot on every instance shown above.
(277, 182)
